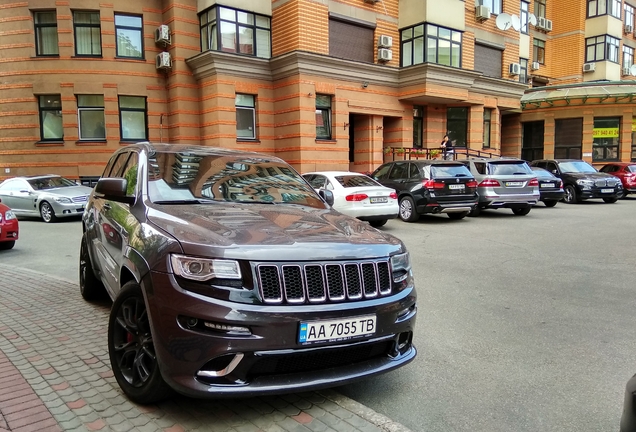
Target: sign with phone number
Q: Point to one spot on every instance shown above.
(605, 132)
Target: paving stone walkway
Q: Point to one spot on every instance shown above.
(55, 376)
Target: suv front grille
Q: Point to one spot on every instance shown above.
(323, 282)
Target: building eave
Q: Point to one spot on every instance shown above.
(209, 63)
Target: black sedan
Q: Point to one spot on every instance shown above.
(550, 187)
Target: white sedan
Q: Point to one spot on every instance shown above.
(357, 195)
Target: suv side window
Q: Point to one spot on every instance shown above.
(552, 167)
(130, 174)
(399, 171)
(414, 172)
(116, 166)
(480, 167)
(382, 172)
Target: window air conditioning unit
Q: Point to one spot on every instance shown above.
(589, 67)
(514, 69)
(162, 35)
(548, 25)
(385, 41)
(535, 65)
(628, 28)
(541, 23)
(627, 71)
(482, 13)
(385, 55)
(163, 61)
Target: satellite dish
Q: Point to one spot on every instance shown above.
(632, 70)
(504, 21)
(516, 22)
(532, 19)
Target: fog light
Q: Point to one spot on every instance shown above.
(227, 328)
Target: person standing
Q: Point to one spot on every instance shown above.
(447, 148)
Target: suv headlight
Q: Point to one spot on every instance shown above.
(63, 200)
(585, 183)
(202, 269)
(400, 266)
(9, 215)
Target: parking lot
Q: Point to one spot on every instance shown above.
(524, 324)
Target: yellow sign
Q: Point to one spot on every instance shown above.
(605, 132)
(633, 124)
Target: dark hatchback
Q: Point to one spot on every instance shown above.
(430, 187)
(550, 187)
(581, 181)
(231, 276)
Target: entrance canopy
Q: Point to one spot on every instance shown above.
(579, 94)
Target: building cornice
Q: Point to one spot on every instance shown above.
(499, 87)
(209, 63)
(431, 73)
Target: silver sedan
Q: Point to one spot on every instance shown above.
(48, 196)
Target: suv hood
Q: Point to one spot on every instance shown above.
(591, 176)
(265, 232)
(69, 191)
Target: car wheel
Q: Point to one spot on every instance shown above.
(377, 223)
(550, 203)
(458, 215)
(570, 196)
(521, 211)
(91, 287)
(475, 211)
(610, 200)
(622, 194)
(7, 245)
(131, 349)
(407, 210)
(47, 213)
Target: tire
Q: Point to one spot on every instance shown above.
(622, 194)
(550, 203)
(610, 200)
(407, 210)
(7, 245)
(47, 213)
(521, 211)
(91, 287)
(131, 349)
(571, 197)
(377, 223)
(475, 211)
(458, 215)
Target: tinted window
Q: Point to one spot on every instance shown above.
(130, 174)
(399, 171)
(356, 181)
(480, 167)
(414, 172)
(381, 172)
(438, 171)
(576, 167)
(508, 168)
(609, 168)
(117, 165)
(551, 166)
(50, 183)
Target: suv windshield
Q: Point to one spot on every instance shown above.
(459, 170)
(631, 168)
(43, 183)
(576, 167)
(356, 181)
(508, 168)
(194, 178)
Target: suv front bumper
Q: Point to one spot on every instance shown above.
(597, 193)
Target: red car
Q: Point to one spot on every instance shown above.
(626, 171)
(8, 228)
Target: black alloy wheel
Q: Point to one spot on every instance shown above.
(570, 196)
(47, 213)
(131, 349)
(550, 203)
(407, 210)
(91, 287)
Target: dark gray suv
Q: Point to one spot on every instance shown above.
(231, 276)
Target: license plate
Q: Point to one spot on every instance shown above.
(456, 186)
(319, 331)
(513, 184)
(378, 200)
(607, 190)
(547, 185)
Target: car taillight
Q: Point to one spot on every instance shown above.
(357, 197)
(471, 184)
(533, 183)
(432, 184)
(489, 183)
(393, 195)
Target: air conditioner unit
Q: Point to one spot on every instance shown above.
(385, 41)
(548, 25)
(626, 71)
(371, 1)
(385, 55)
(162, 35)
(628, 28)
(163, 61)
(541, 23)
(514, 69)
(589, 67)
(482, 13)
(535, 66)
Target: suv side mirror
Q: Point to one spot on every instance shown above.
(555, 172)
(113, 189)
(326, 195)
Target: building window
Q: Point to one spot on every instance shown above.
(601, 48)
(629, 16)
(606, 134)
(603, 7)
(628, 56)
(129, 34)
(439, 45)
(457, 125)
(88, 39)
(493, 5)
(45, 33)
(615, 8)
(523, 74)
(132, 118)
(418, 126)
(539, 8)
(487, 128)
(532, 140)
(323, 117)
(538, 50)
(90, 114)
(568, 138)
(245, 116)
(525, 14)
(51, 128)
(235, 31)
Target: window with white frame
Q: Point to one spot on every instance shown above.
(90, 116)
(493, 5)
(51, 128)
(323, 117)
(524, 17)
(629, 16)
(132, 118)
(87, 30)
(245, 116)
(45, 33)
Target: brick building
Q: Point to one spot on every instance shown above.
(324, 84)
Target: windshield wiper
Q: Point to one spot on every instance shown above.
(460, 175)
(251, 202)
(184, 201)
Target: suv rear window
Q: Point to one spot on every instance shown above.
(356, 181)
(459, 170)
(508, 168)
